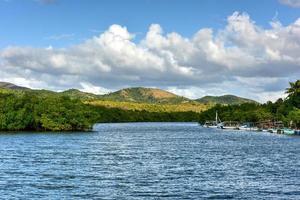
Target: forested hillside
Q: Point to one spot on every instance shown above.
(144, 95)
(225, 100)
(151, 107)
(50, 111)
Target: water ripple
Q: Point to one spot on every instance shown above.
(149, 161)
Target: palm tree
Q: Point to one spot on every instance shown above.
(293, 92)
(294, 89)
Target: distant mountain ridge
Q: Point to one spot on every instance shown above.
(144, 95)
(7, 85)
(225, 99)
(138, 95)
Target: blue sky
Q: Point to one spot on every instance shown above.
(30, 22)
(193, 48)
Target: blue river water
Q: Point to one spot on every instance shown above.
(149, 161)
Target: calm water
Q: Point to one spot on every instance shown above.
(149, 161)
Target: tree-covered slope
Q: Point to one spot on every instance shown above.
(77, 94)
(225, 99)
(151, 107)
(144, 95)
(32, 110)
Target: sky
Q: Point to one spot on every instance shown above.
(249, 48)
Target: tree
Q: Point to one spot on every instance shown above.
(294, 88)
(294, 118)
(293, 92)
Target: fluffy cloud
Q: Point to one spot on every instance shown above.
(291, 3)
(209, 62)
(90, 88)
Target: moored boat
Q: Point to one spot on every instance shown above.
(210, 124)
(229, 125)
(288, 131)
(270, 130)
(213, 124)
(248, 126)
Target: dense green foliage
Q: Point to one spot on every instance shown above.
(50, 111)
(120, 115)
(151, 107)
(76, 94)
(28, 111)
(225, 99)
(287, 110)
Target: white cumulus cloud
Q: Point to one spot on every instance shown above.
(209, 62)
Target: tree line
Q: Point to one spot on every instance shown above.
(286, 110)
(31, 110)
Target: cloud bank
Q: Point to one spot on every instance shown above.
(291, 3)
(243, 58)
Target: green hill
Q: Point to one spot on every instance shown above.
(5, 85)
(134, 95)
(77, 94)
(225, 99)
(144, 95)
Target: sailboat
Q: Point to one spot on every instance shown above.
(213, 124)
(226, 124)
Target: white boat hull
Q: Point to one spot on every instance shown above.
(208, 126)
(229, 127)
(249, 129)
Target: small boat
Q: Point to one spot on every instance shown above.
(213, 124)
(232, 125)
(271, 126)
(271, 130)
(279, 131)
(210, 124)
(288, 131)
(248, 126)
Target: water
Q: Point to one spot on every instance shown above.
(149, 161)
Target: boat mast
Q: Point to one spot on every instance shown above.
(216, 117)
